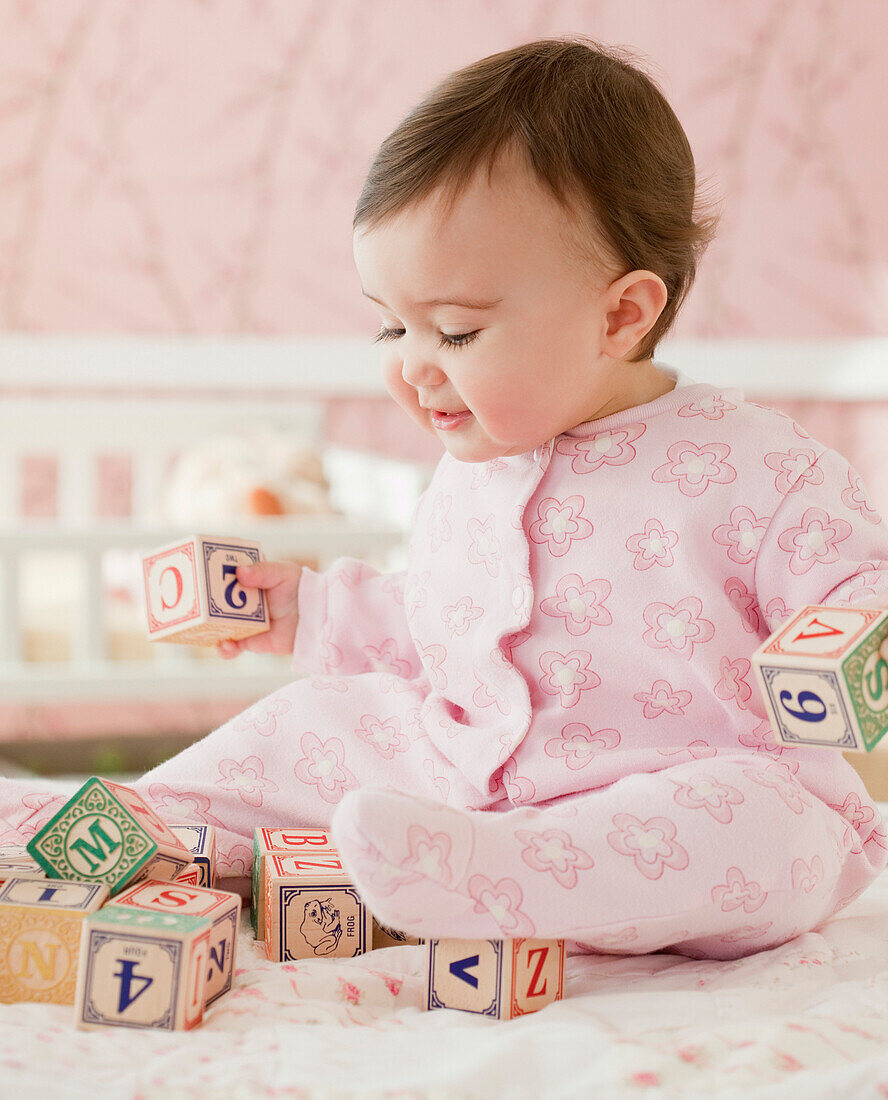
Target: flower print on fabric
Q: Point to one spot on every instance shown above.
(567, 675)
(650, 843)
(608, 448)
(560, 524)
(696, 750)
(737, 893)
(505, 783)
(814, 541)
(484, 471)
(384, 658)
(503, 901)
(247, 779)
(733, 684)
(439, 527)
(779, 776)
(763, 739)
(710, 408)
(485, 547)
(652, 546)
(854, 812)
(427, 857)
(432, 657)
(440, 782)
(383, 735)
(742, 535)
(678, 628)
(706, 793)
(794, 468)
(323, 766)
(807, 876)
(580, 603)
(663, 699)
(263, 716)
(578, 745)
(459, 616)
(744, 603)
(554, 851)
(695, 468)
(855, 498)
(487, 695)
(416, 592)
(181, 804)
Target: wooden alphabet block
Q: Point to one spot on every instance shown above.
(822, 679)
(200, 840)
(498, 978)
(312, 909)
(279, 841)
(191, 876)
(15, 862)
(106, 833)
(140, 968)
(221, 907)
(192, 594)
(40, 926)
(383, 936)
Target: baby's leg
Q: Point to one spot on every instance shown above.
(717, 858)
(287, 760)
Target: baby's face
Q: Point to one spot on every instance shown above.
(521, 365)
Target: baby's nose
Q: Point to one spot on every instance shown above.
(421, 373)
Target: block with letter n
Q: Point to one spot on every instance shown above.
(502, 979)
(823, 680)
(106, 833)
(192, 594)
(142, 969)
(221, 907)
(40, 927)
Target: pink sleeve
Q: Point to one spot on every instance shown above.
(352, 620)
(825, 544)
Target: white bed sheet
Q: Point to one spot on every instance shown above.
(808, 1019)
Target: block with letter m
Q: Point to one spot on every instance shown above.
(106, 833)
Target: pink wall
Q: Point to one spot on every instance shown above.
(191, 167)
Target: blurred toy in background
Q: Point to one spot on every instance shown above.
(257, 471)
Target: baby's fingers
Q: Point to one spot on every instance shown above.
(264, 574)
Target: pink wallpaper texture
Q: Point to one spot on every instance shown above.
(191, 166)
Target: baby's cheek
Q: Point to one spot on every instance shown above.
(405, 395)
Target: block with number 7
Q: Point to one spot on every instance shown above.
(192, 593)
(823, 679)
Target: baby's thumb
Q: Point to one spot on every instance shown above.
(263, 574)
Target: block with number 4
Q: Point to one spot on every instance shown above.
(221, 907)
(142, 969)
(497, 978)
(823, 680)
(106, 833)
(192, 593)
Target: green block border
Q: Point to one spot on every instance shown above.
(872, 727)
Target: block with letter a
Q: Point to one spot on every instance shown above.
(823, 680)
(192, 594)
(502, 979)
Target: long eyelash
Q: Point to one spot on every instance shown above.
(446, 341)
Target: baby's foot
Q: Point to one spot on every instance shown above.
(412, 861)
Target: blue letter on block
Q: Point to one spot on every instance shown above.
(220, 963)
(126, 979)
(459, 968)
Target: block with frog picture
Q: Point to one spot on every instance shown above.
(823, 680)
(281, 841)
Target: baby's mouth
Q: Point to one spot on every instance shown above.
(447, 421)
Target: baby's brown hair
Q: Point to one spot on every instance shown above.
(597, 132)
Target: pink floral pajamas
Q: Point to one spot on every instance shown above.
(548, 724)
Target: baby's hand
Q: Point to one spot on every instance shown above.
(280, 580)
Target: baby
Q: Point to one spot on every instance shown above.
(547, 725)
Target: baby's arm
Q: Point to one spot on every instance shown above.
(825, 544)
(346, 620)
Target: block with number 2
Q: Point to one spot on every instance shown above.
(823, 679)
(192, 594)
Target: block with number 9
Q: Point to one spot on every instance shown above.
(192, 594)
(823, 680)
